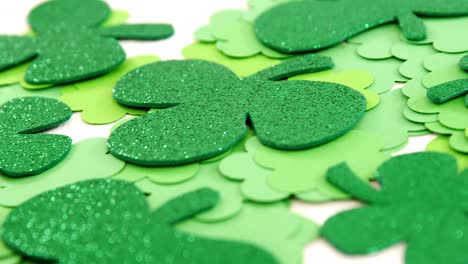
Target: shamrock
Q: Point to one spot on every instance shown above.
(204, 108)
(70, 44)
(422, 202)
(23, 154)
(441, 144)
(118, 227)
(300, 26)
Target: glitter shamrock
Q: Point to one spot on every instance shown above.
(23, 154)
(204, 108)
(300, 26)
(409, 208)
(445, 92)
(118, 228)
(70, 44)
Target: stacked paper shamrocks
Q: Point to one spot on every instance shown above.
(285, 100)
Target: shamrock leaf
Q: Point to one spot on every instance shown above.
(70, 44)
(300, 26)
(23, 153)
(119, 213)
(94, 97)
(442, 144)
(458, 140)
(87, 159)
(206, 102)
(270, 175)
(406, 209)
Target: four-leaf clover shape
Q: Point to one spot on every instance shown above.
(70, 45)
(422, 201)
(22, 153)
(109, 221)
(307, 25)
(204, 108)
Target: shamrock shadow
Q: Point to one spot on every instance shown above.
(422, 201)
(24, 154)
(299, 26)
(204, 109)
(109, 221)
(70, 45)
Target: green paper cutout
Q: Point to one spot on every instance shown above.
(159, 175)
(301, 26)
(414, 56)
(399, 212)
(234, 36)
(388, 121)
(276, 229)
(357, 79)
(229, 205)
(172, 136)
(23, 152)
(241, 67)
(87, 159)
(257, 7)
(416, 117)
(14, 91)
(67, 29)
(270, 175)
(377, 43)
(457, 140)
(128, 222)
(441, 144)
(94, 97)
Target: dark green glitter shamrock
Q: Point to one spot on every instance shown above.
(205, 107)
(423, 202)
(22, 154)
(307, 25)
(109, 221)
(70, 44)
(447, 91)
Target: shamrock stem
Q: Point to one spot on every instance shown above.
(138, 31)
(294, 66)
(447, 91)
(412, 26)
(342, 177)
(186, 206)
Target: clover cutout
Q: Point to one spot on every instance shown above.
(70, 44)
(23, 153)
(120, 224)
(205, 107)
(300, 26)
(408, 208)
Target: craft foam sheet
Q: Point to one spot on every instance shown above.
(269, 175)
(199, 94)
(405, 209)
(64, 31)
(300, 26)
(94, 97)
(128, 222)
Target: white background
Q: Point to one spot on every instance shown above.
(186, 16)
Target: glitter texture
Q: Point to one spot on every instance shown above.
(422, 201)
(70, 45)
(300, 26)
(207, 107)
(23, 154)
(109, 221)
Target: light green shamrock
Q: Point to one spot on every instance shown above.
(441, 144)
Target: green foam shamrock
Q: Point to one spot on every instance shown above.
(70, 44)
(88, 159)
(270, 175)
(94, 97)
(442, 144)
(206, 108)
(408, 208)
(22, 152)
(300, 26)
(119, 228)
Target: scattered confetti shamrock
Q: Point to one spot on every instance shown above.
(408, 208)
(458, 140)
(206, 108)
(88, 159)
(70, 44)
(300, 26)
(23, 153)
(119, 224)
(441, 144)
(94, 97)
